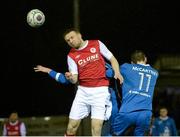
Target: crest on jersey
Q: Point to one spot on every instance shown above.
(77, 56)
(92, 50)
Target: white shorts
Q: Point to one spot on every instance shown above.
(91, 99)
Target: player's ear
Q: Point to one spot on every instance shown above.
(80, 36)
(145, 60)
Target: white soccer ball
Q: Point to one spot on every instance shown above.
(35, 18)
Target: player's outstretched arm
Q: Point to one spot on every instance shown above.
(40, 68)
(59, 77)
(115, 66)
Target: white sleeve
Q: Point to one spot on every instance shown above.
(4, 130)
(72, 66)
(23, 129)
(105, 51)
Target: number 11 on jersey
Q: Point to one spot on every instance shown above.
(142, 79)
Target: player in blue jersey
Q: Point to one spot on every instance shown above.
(137, 95)
(164, 125)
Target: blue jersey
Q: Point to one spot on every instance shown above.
(138, 87)
(165, 127)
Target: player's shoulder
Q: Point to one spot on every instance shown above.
(125, 65)
(170, 118)
(153, 69)
(72, 52)
(93, 40)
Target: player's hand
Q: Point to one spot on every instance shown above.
(68, 75)
(73, 78)
(119, 77)
(40, 68)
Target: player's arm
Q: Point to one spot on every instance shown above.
(4, 130)
(115, 65)
(174, 130)
(59, 77)
(72, 75)
(40, 68)
(23, 129)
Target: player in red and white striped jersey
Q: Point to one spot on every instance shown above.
(14, 127)
(87, 68)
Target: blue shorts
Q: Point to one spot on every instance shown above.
(139, 119)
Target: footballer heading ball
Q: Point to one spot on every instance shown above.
(35, 18)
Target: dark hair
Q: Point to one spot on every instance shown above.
(69, 30)
(138, 55)
(163, 107)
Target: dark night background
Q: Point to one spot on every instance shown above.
(123, 25)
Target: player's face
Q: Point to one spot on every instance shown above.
(13, 117)
(163, 112)
(73, 39)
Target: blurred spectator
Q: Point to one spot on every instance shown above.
(164, 125)
(13, 126)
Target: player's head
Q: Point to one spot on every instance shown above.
(13, 117)
(138, 57)
(163, 112)
(73, 37)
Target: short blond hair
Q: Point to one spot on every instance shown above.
(138, 55)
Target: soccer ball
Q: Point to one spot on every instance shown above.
(35, 18)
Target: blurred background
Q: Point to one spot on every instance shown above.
(123, 25)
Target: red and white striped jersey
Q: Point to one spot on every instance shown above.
(15, 129)
(90, 64)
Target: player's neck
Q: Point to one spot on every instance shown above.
(83, 44)
(163, 117)
(141, 62)
(13, 123)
